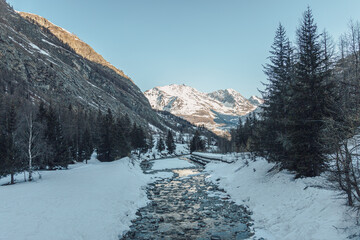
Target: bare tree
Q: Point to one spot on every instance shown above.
(346, 170)
(30, 134)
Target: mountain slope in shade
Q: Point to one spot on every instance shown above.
(217, 111)
(36, 63)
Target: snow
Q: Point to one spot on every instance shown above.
(284, 208)
(32, 45)
(93, 201)
(45, 41)
(38, 49)
(197, 107)
(171, 163)
(181, 149)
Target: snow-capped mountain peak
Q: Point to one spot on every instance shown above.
(218, 110)
(254, 100)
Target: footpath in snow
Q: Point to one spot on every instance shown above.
(284, 207)
(90, 202)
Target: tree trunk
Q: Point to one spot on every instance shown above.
(347, 175)
(12, 181)
(30, 146)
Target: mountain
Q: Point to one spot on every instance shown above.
(80, 47)
(234, 100)
(46, 63)
(256, 101)
(217, 111)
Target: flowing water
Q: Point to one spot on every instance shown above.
(187, 206)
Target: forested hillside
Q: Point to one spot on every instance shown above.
(310, 117)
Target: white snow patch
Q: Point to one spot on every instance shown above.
(45, 41)
(284, 208)
(93, 201)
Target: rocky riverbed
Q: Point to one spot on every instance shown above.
(186, 206)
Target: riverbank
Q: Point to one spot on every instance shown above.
(89, 201)
(284, 207)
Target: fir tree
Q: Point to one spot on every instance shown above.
(151, 142)
(311, 103)
(106, 143)
(86, 145)
(274, 136)
(138, 138)
(196, 143)
(170, 144)
(12, 161)
(122, 146)
(160, 146)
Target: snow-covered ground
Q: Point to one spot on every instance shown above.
(181, 149)
(171, 163)
(285, 208)
(93, 201)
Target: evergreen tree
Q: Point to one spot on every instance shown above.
(160, 146)
(122, 146)
(170, 144)
(86, 145)
(311, 103)
(106, 144)
(138, 138)
(151, 142)
(197, 144)
(275, 139)
(12, 162)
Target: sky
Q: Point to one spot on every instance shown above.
(206, 44)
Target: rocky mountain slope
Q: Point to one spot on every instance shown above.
(217, 111)
(46, 63)
(80, 47)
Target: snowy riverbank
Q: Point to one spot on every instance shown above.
(284, 208)
(93, 201)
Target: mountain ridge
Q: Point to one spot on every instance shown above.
(218, 111)
(79, 46)
(39, 65)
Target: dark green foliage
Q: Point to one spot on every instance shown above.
(151, 142)
(196, 143)
(160, 146)
(86, 146)
(64, 134)
(138, 138)
(106, 151)
(11, 162)
(170, 144)
(122, 145)
(299, 102)
(246, 137)
(312, 102)
(280, 73)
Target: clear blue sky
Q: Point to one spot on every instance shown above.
(207, 44)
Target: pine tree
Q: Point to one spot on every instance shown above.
(275, 139)
(151, 142)
(106, 144)
(311, 102)
(138, 138)
(160, 146)
(87, 146)
(12, 159)
(197, 144)
(122, 146)
(170, 144)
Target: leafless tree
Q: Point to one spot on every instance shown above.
(30, 137)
